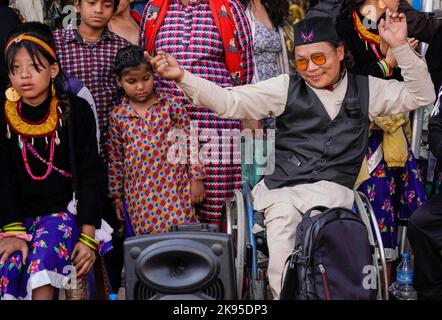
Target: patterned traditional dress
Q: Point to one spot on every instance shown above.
(156, 190)
(190, 34)
(42, 205)
(49, 262)
(395, 193)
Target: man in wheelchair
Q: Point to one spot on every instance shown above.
(322, 120)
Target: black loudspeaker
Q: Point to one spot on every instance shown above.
(180, 266)
(203, 227)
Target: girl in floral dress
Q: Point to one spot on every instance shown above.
(149, 179)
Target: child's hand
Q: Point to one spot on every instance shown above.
(166, 66)
(384, 47)
(197, 192)
(83, 258)
(119, 209)
(413, 42)
(391, 59)
(10, 245)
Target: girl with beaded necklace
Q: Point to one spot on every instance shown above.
(48, 156)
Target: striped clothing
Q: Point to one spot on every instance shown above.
(92, 63)
(190, 34)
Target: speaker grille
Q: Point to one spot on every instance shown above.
(215, 291)
(142, 292)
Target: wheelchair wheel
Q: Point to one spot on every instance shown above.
(368, 216)
(256, 280)
(236, 226)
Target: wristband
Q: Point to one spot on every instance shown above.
(26, 237)
(14, 227)
(88, 241)
(83, 235)
(385, 68)
(90, 245)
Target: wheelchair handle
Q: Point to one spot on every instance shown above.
(319, 208)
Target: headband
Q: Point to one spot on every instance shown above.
(36, 40)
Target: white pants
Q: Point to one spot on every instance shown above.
(281, 220)
(283, 209)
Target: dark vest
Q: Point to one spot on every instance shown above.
(310, 147)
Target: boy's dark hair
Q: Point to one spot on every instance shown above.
(116, 4)
(128, 58)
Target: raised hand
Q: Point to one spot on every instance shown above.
(166, 66)
(197, 192)
(393, 30)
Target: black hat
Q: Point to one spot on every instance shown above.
(315, 29)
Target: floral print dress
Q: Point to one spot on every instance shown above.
(394, 194)
(53, 238)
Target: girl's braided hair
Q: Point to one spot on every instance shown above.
(128, 58)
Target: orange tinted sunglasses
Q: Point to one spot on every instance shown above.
(318, 58)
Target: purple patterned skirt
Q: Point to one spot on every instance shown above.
(394, 193)
(53, 239)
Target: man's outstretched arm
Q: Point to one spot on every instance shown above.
(244, 102)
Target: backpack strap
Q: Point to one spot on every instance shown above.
(290, 282)
(154, 21)
(316, 208)
(223, 18)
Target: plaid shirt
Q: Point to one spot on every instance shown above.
(92, 63)
(190, 34)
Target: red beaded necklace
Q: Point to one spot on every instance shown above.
(37, 156)
(47, 128)
(50, 162)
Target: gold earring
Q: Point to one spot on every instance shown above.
(53, 88)
(381, 4)
(12, 94)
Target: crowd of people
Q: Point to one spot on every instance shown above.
(91, 112)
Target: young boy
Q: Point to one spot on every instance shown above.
(88, 53)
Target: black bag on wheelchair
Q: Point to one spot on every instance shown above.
(331, 259)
